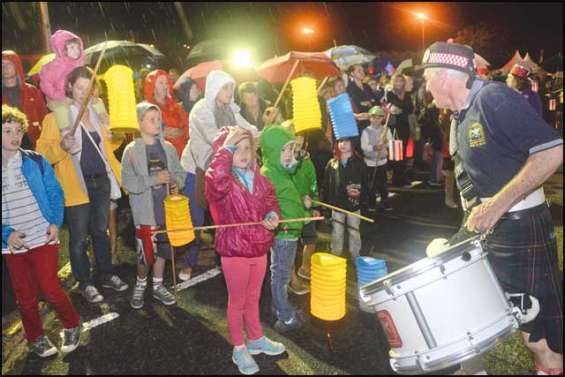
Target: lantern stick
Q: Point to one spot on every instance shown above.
(330, 341)
(344, 211)
(238, 224)
(322, 84)
(283, 89)
(173, 257)
(90, 91)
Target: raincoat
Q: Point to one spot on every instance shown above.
(53, 75)
(203, 127)
(173, 115)
(32, 103)
(230, 202)
(273, 139)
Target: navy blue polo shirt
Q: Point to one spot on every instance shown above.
(497, 133)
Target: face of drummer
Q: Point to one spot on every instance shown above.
(225, 94)
(243, 153)
(151, 122)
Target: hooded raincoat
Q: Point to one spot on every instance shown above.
(273, 139)
(31, 103)
(53, 75)
(173, 115)
(230, 202)
(203, 124)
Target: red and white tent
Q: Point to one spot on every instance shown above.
(505, 69)
(529, 63)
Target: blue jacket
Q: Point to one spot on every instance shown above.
(45, 188)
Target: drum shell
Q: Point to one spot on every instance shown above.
(460, 300)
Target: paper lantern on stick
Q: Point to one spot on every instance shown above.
(306, 108)
(341, 114)
(177, 220)
(121, 99)
(552, 104)
(368, 270)
(328, 285)
(395, 150)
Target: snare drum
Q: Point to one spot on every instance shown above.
(441, 311)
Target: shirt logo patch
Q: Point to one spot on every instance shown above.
(476, 136)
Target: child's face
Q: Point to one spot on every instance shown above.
(344, 146)
(73, 50)
(12, 134)
(287, 154)
(339, 87)
(242, 155)
(151, 123)
(225, 94)
(376, 120)
(161, 87)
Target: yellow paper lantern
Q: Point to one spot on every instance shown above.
(121, 99)
(328, 286)
(306, 107)
(177, 220)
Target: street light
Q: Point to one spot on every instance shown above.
(422, 17)
(308, 33)
(242, 58)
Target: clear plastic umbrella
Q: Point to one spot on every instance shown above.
(347, 55)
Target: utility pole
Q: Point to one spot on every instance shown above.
(45, 24)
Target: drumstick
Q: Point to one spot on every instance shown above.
(90, 91)
(344, 211)
(238, 224)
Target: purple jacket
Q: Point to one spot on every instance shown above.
(230, 202)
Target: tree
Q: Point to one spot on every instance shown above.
(490, 40)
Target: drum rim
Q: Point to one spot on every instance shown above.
(421, 266)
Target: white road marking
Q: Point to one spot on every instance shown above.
(98, 321)
(199, 279)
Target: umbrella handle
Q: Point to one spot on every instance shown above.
(271, 118)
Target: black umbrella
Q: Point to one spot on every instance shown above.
(134, 55)
(212, 49)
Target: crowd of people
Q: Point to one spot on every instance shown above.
(241, 162)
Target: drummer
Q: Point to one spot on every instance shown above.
(504, 152)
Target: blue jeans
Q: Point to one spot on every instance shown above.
(90, 219)
(197, 217)
(282, 261)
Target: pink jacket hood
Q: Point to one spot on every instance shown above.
(53, 75)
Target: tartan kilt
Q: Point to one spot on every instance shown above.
(523, 254)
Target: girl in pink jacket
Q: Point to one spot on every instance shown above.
(69, 54)
(237, 192)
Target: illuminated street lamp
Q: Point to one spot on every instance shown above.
(422, 17)
(242, 58)
(308, 33)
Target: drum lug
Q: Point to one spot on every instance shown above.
(388, 288)
(442, 270)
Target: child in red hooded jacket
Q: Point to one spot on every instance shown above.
(238, 193)
(157, 90)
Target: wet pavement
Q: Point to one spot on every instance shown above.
(192, 337)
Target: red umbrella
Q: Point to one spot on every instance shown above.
(278, 69)
(199, 72)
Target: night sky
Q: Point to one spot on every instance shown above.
(273, 28)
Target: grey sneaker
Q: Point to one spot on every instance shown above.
(136, 301)
(71, 338)
(284, 326)
(115, 283)
(244, 361)
(43, 347)
(162, 294)
(92, 295)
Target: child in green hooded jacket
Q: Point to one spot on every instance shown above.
(279, 166)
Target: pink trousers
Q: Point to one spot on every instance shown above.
(244, 279)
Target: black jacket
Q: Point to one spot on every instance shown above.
(337, 178)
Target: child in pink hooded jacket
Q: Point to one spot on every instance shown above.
(237, 192)
(69, 54)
